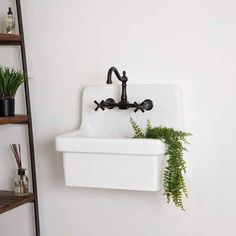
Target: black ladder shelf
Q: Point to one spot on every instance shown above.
(8, 200)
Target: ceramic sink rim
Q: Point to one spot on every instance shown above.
(77, 141)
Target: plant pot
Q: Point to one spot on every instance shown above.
(7, 107)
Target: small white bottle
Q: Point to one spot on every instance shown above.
(10, 22)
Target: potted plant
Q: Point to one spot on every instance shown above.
(10, 81)
(173, 176)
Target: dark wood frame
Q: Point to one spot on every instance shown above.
(7, 200)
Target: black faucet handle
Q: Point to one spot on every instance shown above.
(146, 105)
(100, 105)
(138, 107)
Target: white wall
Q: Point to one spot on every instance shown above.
(71, 44)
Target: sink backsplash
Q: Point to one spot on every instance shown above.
(115, 122)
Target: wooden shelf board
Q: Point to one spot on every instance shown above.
(9, 39)
(9, 201)
(17, 119)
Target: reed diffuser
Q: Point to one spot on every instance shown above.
(21, 185)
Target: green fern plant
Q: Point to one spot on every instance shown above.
(10, 81)
(173, 177)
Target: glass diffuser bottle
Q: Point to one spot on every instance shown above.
(10, 22)
(21, 186)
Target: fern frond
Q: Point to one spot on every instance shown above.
(173, 177)
(137, 130)
(149, 127)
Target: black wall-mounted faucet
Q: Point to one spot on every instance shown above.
(110, 103)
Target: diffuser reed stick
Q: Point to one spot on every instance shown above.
(17, 154)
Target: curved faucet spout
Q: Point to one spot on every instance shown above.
(123, 79)
(119, 77)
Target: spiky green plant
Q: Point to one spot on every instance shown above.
(10, 81)
(173, 177)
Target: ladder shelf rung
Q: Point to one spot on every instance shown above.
(9, 201)
(17, 119)
(10, 39)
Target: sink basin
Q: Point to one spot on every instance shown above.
(102, 154)
(118, 163)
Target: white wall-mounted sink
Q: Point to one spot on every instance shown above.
(101, 153)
